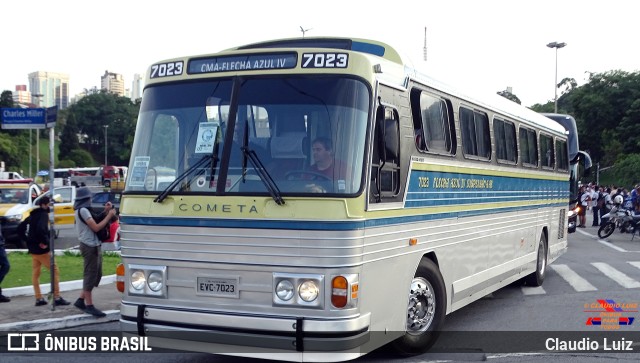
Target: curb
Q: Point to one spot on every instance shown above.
(60, 323)
(46, 288)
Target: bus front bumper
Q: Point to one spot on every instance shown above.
(223, 333)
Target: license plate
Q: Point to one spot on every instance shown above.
(217, 286)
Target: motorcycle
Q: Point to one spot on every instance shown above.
(621, 218)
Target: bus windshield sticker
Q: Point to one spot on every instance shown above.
(251, 62)
(325, 60)
(139, 171)
(206, 137)
(166, 69)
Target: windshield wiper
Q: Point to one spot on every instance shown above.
(182, 176)
(262, 172)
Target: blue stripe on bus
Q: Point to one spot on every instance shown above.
(374, 49)
(313, 225)
(435, 188)
(244, 223)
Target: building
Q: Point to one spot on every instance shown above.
(112, 83)
(49, 89)
(136, 87)
(21, 95)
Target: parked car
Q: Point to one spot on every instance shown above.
(18, 197)
(101, 198)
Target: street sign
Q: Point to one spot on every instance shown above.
(52, 116)
(28, 118)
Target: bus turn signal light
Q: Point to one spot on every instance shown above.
(339, 291)
(120, 277)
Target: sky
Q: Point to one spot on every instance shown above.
(480, 46)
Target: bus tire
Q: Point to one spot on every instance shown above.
(426, 310)
(537, 278)
(107, 183)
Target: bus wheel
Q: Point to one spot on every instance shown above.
(536, 278)
(425, 312)
(107, 183)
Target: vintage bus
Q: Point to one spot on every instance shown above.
(314, 199)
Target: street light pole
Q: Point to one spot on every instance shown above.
(105, 144)
(555, 84)
(39, 97)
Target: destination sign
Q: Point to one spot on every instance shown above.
(249, 62)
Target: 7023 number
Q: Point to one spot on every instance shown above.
(325, 60)
(166, 69)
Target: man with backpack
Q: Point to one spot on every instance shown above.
(90, 248)
(38, 240)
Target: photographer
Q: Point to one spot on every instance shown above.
(90, 247)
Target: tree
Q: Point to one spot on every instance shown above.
(13, 143)
(510, 96)
(627, 170)
(69, 137)
(568, 84)
(81, 157)
(6, 99)
(98, 109)
(602, 105)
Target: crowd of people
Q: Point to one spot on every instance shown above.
(34, 230)
(598, 200)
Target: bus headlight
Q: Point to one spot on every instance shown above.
(298, 290)
(284, 290)
(147, 280)
(137, 280)
(155, 281)
(308, 291)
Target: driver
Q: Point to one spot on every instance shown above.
(324, 160)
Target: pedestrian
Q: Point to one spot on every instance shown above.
(90, 248)
(4, 267)
(38, 241)
(606, 205)
(585, 198)
(595, 208)
(114, 231)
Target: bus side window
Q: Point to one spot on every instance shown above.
(385, 163)
(432, 122)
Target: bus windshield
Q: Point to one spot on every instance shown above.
(307, 134)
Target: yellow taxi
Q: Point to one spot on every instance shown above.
(19, 197)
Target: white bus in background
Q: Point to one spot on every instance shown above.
(99, 175)
(61, 177)
(88, 176)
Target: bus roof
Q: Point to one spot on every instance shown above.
(368, 46)
(398, 72)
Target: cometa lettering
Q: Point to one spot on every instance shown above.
(218, 208)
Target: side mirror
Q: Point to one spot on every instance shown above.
(586, 163)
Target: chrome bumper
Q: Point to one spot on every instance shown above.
(223, 333)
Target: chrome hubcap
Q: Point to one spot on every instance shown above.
(542, 261)
(422, 306)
